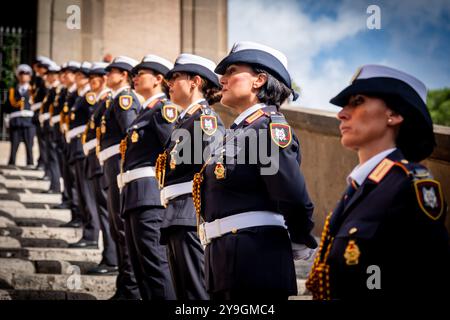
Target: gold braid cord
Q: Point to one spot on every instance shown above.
(98, 135)
(160, 169)
(84, 135)
(12, 100)
(123, 150)
(319, 278)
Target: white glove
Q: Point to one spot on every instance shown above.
(301, 252)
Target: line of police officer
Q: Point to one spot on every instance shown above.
(130, 169)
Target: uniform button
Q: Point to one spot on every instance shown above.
(352, 230)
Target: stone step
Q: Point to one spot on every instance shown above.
(65, 234)
(12, 265)
(61, 215)
(39, 198)
(52, 254)
(9, 242)
(6, 204)
(6, 222)
(26, 184)
(22, 173)
(52, 295)
(62, 267)
(16, 242)
(62, 282)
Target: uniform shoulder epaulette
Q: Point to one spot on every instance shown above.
(194, 109)
(280, 130)
(255, 116)
(428, 190)
(91, 97)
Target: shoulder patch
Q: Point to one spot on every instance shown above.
(170, 113)
(281, 134)
(381, 170)
(254, 116)
(195, 109)
(125, 101)
(90, 98)
(208, 123)
(430, 198)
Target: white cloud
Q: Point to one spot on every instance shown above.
(284, 26)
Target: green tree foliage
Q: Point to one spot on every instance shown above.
(438, 102)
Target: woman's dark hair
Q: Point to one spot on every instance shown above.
(412, 139)
(273, 92)
(211, 93)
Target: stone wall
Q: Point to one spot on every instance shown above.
(133, 28)
(326, 164)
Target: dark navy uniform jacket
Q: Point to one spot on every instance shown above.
(79, 115)
(147, 136)
(58, 105)
(39, 93)
(257, 256)
(45, 108)
(93, 167)
(116, 120)
(388, 223)
(14, 102)
(181, 211)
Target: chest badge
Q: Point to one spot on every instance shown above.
(72, 116)
(352, 253)
(220, 170)
(134, 137)
(103, 125)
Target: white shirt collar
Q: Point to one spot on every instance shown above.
(360, 172)
(151, 99)
(73, 87)
(23, 87)
(248, 112)
(116, 93)
(97, 98)
(190, 107)
(85, 89)
(55, 84)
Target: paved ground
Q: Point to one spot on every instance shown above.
(35, 261)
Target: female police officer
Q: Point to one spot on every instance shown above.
(386, 237)
(193, 86)
(140, 197)
(254, 212)
(19, 106)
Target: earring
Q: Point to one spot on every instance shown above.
(389, 120)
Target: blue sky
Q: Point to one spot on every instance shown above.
(326, 41)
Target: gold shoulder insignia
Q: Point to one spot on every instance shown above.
(381, 170)
(195, 109)
(125, 102)
(90, 98)
(170, 113)
(256, 115)
(208, 123)
(430, 198)
(281, 134)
